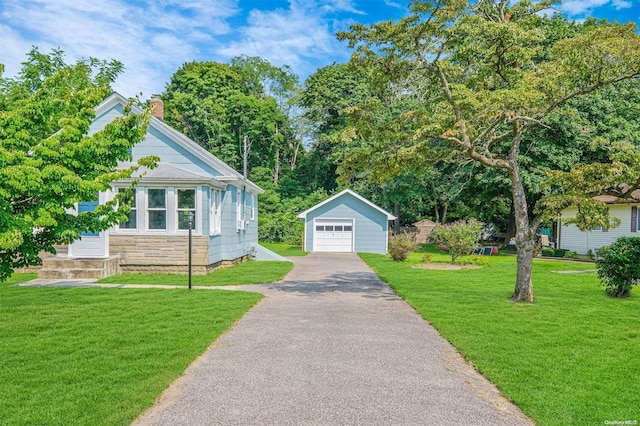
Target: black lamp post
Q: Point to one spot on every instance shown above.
(190, 237)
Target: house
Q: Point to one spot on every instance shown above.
(346, 222)
(571, 238)
(188, 180)
(425, 226)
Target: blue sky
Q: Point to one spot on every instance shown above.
(153, 38)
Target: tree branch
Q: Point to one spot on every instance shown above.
(588, 90)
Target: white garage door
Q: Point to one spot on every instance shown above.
(334, 235)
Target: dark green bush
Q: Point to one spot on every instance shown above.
(619, 266)
(560, 252)
(548, 252)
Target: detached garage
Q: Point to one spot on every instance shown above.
(346, 222)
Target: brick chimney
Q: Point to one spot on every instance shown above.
(157, 107)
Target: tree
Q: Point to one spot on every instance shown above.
(327, 94)
(486, 75)
(48, 160)
(225, 109)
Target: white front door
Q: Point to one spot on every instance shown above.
(333, 235)
(90, 244)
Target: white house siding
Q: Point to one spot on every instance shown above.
(573, 239)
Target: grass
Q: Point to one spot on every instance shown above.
(101, 356)
(252, 272)
(284, 249)
(569, 359)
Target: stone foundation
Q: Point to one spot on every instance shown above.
(148, 254)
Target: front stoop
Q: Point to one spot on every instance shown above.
(59, 267)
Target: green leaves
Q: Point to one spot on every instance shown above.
(219, 105)
(48, 162)
(619, 266)
(459, 238)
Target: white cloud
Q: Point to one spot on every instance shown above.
(152, 38)
(295, 37)
(582, 7)
(621, 4)
(397, 5)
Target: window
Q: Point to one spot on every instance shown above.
(216, 214)
(132, 221)
(186, 208)
(157, 209)
(254, 201)
(239, 212)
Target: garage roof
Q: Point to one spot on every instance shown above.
(303, 215)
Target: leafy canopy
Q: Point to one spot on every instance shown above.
(49, 159)
(475, 79)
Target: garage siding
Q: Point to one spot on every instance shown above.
(370, 227)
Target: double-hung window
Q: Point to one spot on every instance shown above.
(132, 221)
(157, 208)
(186, 210)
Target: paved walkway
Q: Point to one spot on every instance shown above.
(331, 345)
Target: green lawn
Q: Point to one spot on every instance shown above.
(569, 359)
(90, 356)
(252, 272)
(284, 249)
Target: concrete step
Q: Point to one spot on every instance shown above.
(55, 274)
(61, 267)
(73, 263)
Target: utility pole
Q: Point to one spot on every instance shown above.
(245, 156)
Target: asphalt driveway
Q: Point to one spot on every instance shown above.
(331, 345)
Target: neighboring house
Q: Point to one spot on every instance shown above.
(346, 222)
(571, 238)
(188, 179)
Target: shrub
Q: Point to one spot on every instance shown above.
(619, 266)
(548, 252)
(458, 237)
(427, 257)
(560, 252)
(571, 255)
(400, 246)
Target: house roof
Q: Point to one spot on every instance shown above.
(303, 215)
(229, 174)
(612, 199)
(169, 173)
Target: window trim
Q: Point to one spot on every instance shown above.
(239, 210)
(177, 208)
(134, 208)
(215, 212)
(153, 209)
(253, 199)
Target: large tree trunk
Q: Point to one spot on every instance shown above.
(524, 240)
